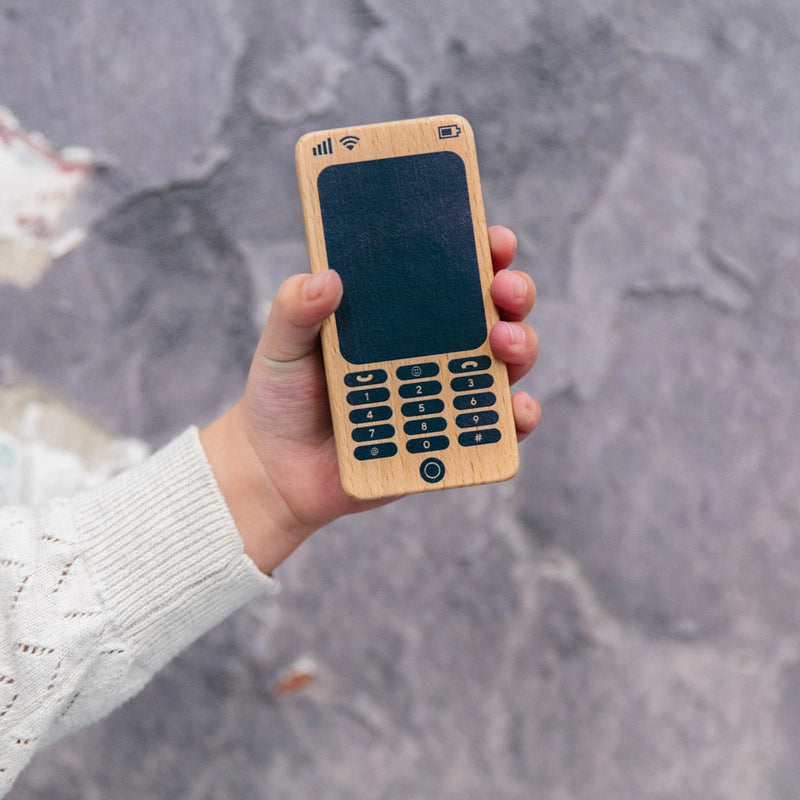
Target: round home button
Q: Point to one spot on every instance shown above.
(432, 470)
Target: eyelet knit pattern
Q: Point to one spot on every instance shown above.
(100, 591)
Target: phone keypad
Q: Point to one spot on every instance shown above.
(423, 410)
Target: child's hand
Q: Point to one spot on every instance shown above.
(273, 453)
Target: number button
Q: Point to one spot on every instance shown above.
(467, 401)
(424, 389)
(477, 419)
(428, 444)
(363, 397)
(425, 408)
(373, 433)
(374, 414)
(415, 427)
(472, 382)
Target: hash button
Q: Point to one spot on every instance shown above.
(473, 438)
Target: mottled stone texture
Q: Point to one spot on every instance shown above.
(622, 620)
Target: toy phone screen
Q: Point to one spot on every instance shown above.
(399, 233)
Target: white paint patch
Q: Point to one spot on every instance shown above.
(37, 186)
(48, 450)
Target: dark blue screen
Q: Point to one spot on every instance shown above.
(399, 232)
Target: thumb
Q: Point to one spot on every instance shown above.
(300, 306)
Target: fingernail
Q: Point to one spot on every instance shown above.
(530, 403)
(315, 285)
(519, 286)
(515, 335)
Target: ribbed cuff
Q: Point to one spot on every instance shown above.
(164, 551)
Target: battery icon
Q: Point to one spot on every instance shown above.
(449, 131)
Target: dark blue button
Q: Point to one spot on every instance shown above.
(466, 401)
(416, 371)
(424, 389)
(431, 470)
(376, 414)
(367, 452)
(424, 408)
(474, 364)
(374, 433)
(488, 436)
(471, 382)
(427, 444)
(477, 419)
(366, 378)
(415, 427)
(365, 396)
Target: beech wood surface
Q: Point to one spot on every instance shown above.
(400, 474)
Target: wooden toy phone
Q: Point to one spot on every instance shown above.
(418, 400)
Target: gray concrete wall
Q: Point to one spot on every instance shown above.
(620, 621)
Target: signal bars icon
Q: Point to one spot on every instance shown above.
(323, 148)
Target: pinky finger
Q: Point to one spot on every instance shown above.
(527, 414)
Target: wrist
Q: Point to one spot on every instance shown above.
(269, 530)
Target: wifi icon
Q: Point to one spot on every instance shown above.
(349, 141)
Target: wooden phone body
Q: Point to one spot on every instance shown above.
(418, 400)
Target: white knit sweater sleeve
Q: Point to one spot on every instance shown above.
(100, 591)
